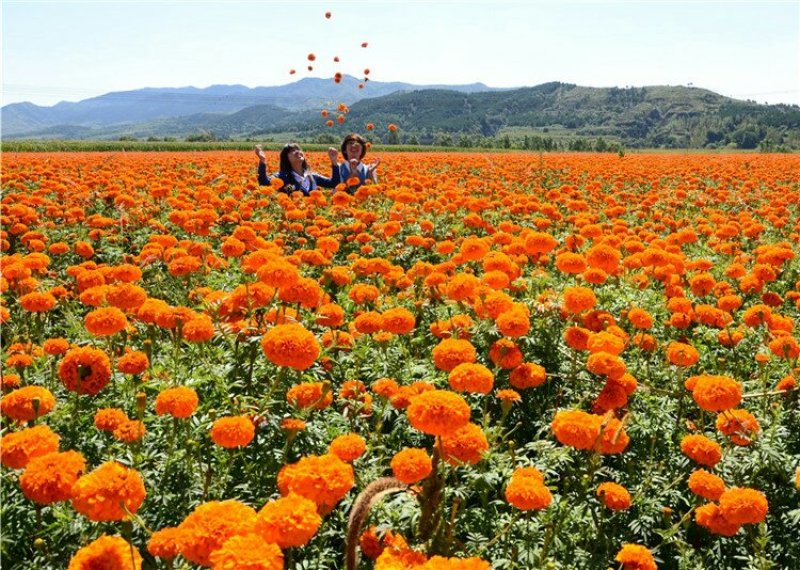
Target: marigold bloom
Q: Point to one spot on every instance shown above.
(289, 521)
(682, 354)
(107, 552)
(537, 243)
(607, 364)
(55, 346)
(130, 431)
(163, 543)
(717, 393)
(635, 557)
(515, 322)
(233, 431)
(247, 552)
(324, 479)
(106, 321)
(526, 490)
(451, 352)
(505, 353)
(133, 362)
(348, 447)
(640, 318)
(19, 447)
(438, 412)
(739, 425)
(85, 370)
(37, 302)
(385, 387)
(570, 262)
(49, 478)
(527, 375)
(101, 494)
(290, 345)
(706, 485)
(465, 445)
(411, 465)
(613, 438)
(579, 299)
(109, 419)
(614, 496)
(27, 403)
(398, 321)
(577, 338)
(316, 395)
(576, 428)
(199, 329)
(180, 402)
(710, 516)
(701, 450)
(210, 525)
(471, 377)
(741, 505)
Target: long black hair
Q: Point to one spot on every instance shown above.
(286, 166)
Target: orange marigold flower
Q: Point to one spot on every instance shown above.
(526, 490)
(786, 384)
(577, 338)
(465, 445)
(741, 505)
(233, 431)
(330, 315)
(49, 478)
(527, 375)
(210, 525)
(451, 352)
(324, 479)
(537, 243)
(129, 431)
(710, 516)
(37, 302)
(368, 322)
(613, 438)
(505, 353)
(133, 362)
(126, 296)
(701, 450)
(316, 395)
(109, 419)
(19, 447)
(576, 428)
(607, 364)
(10, 381)
(785, 346)
(180, 402)
(247, 552)
(108, 493)
(571, 262)
(706, 485)
(398, 321)
(85, 370)
(348, 447)
(290, 345)
(716, 393)
(682, 354)
(739, 425)
(107, 552)
(200, 329)
(579, 299)
(163, 543)
(385, 387)
(471, 377)
(438, 412)
(614, 496)
(288, 522)
(640, 318)
(635, 557)
(106, 321)
(411, 465)
(515, 322)
(605, 342)
(55, 346)
(27, 403)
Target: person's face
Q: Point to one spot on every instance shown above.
(353, 150)
(296, 158)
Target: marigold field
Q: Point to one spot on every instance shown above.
(484, 361)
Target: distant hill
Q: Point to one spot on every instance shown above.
(150, 104)
(551, 115)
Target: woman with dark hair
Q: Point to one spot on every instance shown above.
(294, 171)
(354, 148)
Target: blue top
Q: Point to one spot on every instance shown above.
(362, 172)
(294, 182)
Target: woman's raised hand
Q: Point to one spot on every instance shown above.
(333, 154)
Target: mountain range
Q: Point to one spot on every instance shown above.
(655, 116)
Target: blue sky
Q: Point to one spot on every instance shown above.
(70, 50)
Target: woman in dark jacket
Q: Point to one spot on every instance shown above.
(294, 171)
